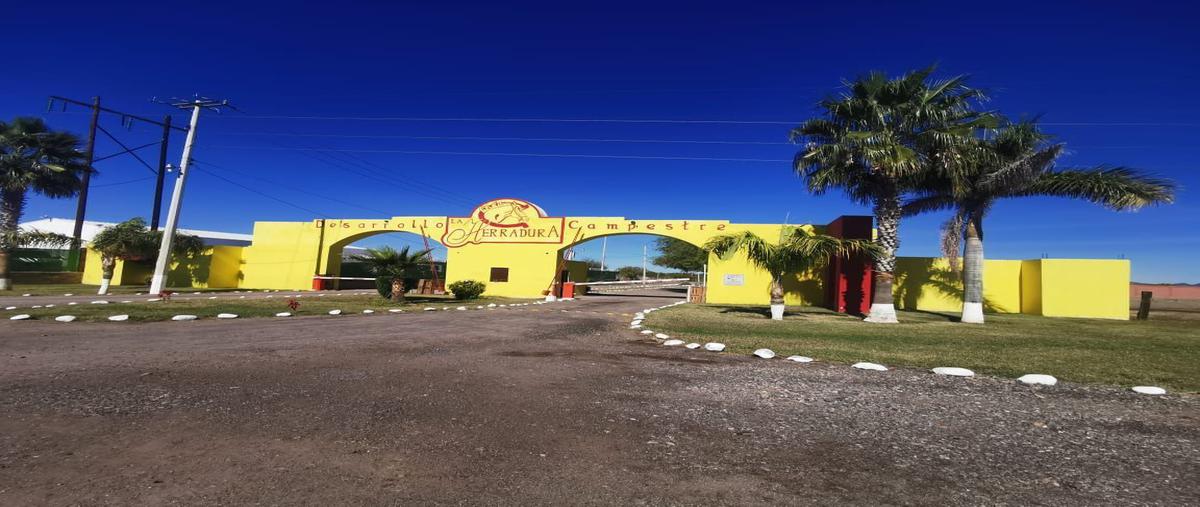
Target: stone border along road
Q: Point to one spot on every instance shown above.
(545, 407)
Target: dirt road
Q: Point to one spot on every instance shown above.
(554, 404)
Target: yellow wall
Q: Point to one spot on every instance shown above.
(1031, 287)
(286, 255)
(216, 267)
(1050, 287)
(1096, 288)
(927, 283)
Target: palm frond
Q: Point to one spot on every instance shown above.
(1119, 188)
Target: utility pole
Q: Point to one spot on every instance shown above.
(643, 263)
(90, 156)
(85, 181)
(158, 280)
(603, 250)
(162, 171)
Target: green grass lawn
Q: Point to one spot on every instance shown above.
(1163, 352)
(141, 310)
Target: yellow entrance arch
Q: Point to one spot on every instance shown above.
(511, 234)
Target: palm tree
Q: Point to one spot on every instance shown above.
(799, 251)
(388, 262)
(875, 140)
(32, 157)
(1019, 161)
(132, 241)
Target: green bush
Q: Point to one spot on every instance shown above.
(467, 289)
(383, 284)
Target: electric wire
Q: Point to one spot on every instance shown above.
(268, 196)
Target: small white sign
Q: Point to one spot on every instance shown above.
(735, 279)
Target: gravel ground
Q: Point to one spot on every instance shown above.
(537, 405)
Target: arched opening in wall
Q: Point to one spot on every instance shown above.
(358, 269)
(631, 265)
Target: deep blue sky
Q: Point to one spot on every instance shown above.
(1091, 68)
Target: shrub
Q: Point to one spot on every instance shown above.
(383, 284)
(467, 289)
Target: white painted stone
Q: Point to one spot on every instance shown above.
(714, 346)
(491, 305)
(22, 316)
(461, 308)
(395, 310)
(26, 295)
(335, 312)
(151, 300)
(184, 317)
(72, 303)
(635, 322)
(100, 302)
(430, 309)
(661, 336)
(1149, 390)
(68, 295)
(36, 306)
(953, 372)
(119, 318)
(368, 311)
(692, 345)
(127, 301)
(283, 314)
(1037, 379)
(870, 366)
(10, 308)
(502, 306)
(194, 293)
(647, 331)
(241, 297)
(479, 307)
(212, 297)
(673, 343)
(65, 318)
(635, 326)
(800, 359)
(764, 353)
(227, 316)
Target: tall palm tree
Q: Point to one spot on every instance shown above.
(388, 262)
(132, 240)
(875, 140)
(1019, 161)
(32, 157)
(798, 251)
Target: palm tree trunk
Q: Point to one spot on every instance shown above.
(12, 204)
(777, 304)
(108, 265)
(397, 290)
(887, 222)
(972, 310)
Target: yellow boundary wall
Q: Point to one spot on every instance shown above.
(518, 236)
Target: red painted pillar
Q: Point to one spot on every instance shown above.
(848, 281)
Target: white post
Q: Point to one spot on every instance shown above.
(603, 250)
(164, 252)
(643, 263)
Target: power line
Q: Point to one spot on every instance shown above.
(507, 154)
(126, 182)
(533, 139)
(294, 189)
(273, 198)
(645, 120)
